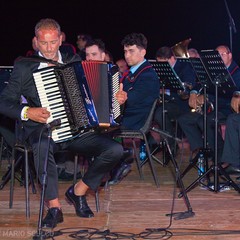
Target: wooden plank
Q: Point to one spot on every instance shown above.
(132, 207)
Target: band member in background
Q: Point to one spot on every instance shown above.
(95, 50)
(176, 103)
(122, 66)
(192, 123)
(106, 151)
(231, 150)
(138, 90)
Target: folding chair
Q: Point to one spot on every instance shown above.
(141, 134)
(21, 147)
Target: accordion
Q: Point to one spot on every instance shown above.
(81, 95)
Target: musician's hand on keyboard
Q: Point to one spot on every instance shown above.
(38, 114)
(121, 95)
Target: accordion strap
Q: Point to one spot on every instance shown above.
(41, 59)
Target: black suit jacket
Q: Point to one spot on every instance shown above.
(20, 84)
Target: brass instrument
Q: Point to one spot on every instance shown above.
(200, 105)
(184, 94)
(180, 50)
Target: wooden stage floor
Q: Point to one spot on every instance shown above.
(133, 209)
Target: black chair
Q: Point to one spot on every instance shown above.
(141, 134)
(1, 150)
(21, 153)
(5, 151)
(7, 138)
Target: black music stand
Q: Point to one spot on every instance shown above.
(222, 83)
(206, 83)
(168, 80)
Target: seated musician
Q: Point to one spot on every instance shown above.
(176, 103)
(138, 91)
(106, 151)
(95, 51)
(192, 123)
(231, 149)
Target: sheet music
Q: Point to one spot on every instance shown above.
(218, 72)
(167, 75)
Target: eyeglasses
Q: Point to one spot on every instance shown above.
(224, 53)
(81, 38)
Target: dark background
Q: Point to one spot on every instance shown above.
(164, 22)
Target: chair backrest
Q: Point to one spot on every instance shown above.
(146, 127)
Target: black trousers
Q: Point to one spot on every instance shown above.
(231, 150)
(106, 151)
(192, 125)
(172, 111)
(7, 130)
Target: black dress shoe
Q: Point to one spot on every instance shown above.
(53, 217)
(119, 173)
(232, 170)
(128, 155)
(79, 202)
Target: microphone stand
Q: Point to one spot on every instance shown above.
(40, 233)
(231, 24)
(163, 123)
(189, 212)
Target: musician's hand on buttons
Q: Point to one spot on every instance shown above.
(38, 114)
(121, 95)
(235, 103)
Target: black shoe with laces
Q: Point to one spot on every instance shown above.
(80, 203)
(53, 217)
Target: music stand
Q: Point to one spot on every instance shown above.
(222, 82)
(168, 80)
(206, 83)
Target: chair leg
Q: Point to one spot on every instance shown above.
(176, 135)
(75, 169)
(27, 183)
(12, 180)
(34, 190)
(1, 151)
(151, 162)
(97, 200)
(137, 160)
